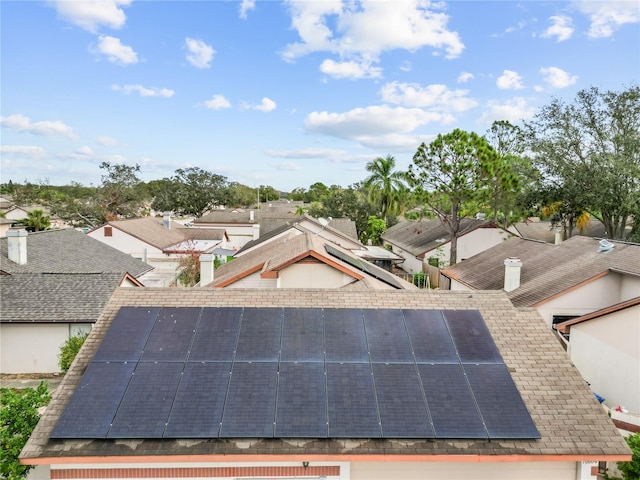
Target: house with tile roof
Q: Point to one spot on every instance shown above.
(302, 259)
(605, 346)
(339, 389)
(424, 240)
(54, 285)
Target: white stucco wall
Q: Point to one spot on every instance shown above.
(606, 351)
(253, 281)
(34, 348)
(238, 235)
(411, 264)
(455, 285)
(312, 275)
(629, 287)
(126, 243)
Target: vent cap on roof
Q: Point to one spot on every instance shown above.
(605, 246)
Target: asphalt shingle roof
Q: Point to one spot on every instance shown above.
(571, 422)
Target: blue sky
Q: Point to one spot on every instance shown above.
(285, 93)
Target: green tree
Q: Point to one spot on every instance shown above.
(36, 220)
(268, 193)
(375, 228)
(316, 193)
(384, 185)
(18, 417)
(118, 193)
(344, 203)
(590, 149)
(452, 174)
(239, 195)
(68, 351)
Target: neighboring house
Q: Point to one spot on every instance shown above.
(544, 231)
(6, 201)
(300, 259)
(605, 347)
(5, 225)
(17, 213)
(54, 285)
(419, 242)
(330, 384)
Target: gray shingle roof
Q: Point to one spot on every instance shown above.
(545, 232)
(547, 269)
(572, 424)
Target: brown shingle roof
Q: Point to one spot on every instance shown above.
(547, 270)
(572, 424)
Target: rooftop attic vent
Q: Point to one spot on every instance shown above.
(605, 246)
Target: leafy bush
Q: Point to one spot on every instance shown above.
(631, 470)
(18, 417)
(420, 279)
(69, 350)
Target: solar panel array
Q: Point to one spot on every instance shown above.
(232, 372)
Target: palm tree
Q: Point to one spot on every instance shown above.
(384, 185)
(37, 220)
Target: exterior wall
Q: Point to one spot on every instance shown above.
(127, 243)
(455, 285)
(238, 235)
(312, 275)
(336, 470)
(479, 240)
(606, 351)
(34, 348)
(411, 264)
(598, 294)
(629, 287)
(253, 281)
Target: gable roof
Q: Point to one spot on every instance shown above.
(424, 235)
(564, 327)
(544, 231)
(538, 366)
(292, 247)
(547, 270)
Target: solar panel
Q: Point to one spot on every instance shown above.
(145, 406)
(401, 401)
(344, 334)
(260, 334)
(197, 409)
(471, 336)
(301, 391)
(429, 336)
(171, 337)
(250, 406)
(302, 335)
(127, 335)
(352, 408)
(387, 336)
(500, 403)
(94, 402)
(216, 335)
(453, 409)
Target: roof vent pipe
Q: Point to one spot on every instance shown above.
(17, 244)
(206, 269)
(251, 216)
(166, 219)
(512, 267)
(558, 236)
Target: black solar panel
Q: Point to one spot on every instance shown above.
(352, 408)
(260, 334)
(127, 335)
(387, 336)
(453, 409)
(500, 403)
(172, 335)
(301, 390)
(197, 409)
(145, 406)
(216, 335)
(401, 401)
(471, 336)
(296, 373)
(94, 402)
(344, 328)
(302, 335)
(250, 407)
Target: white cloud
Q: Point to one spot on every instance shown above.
(84, 151)
(200, 54)
(245, 6)
(307, 153)
(217, 102)
(510, 80)
(352, 70)
(22, 151)
(561, 28)
(558, 78)
(514, 110)
(92, 14)
(464, 77)
(361, 31)
(437, 96)
(20, 123)
(288, 166)
(144, 91)
(267, 105)
(405, 66)
(115, 51)
(606, 17)
(107, 141)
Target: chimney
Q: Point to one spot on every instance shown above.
(166, 219)
(206, 269)
(256, 231)
(512, 268)
(17, 244)
(558, 237)
(251, 216)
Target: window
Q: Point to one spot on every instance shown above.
(108, 231)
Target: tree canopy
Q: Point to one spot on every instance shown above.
(384, 185)
(118, 193)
